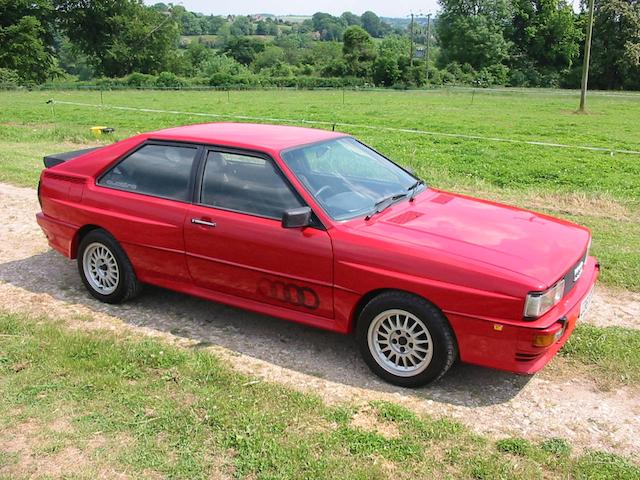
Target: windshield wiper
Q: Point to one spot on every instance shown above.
(384, 203)
(414, 188)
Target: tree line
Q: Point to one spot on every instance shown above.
(536, 43)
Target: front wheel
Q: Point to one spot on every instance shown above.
(105, 269)
(405, 340)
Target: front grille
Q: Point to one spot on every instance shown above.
(569, 280)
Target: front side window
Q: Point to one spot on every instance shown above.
(346, 177)
(246, 184)
(158, 170)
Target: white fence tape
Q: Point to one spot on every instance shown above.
(354, 125)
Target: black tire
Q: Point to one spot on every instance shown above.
(444, 349)
(127, 285)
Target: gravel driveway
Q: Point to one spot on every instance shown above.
(557, 402)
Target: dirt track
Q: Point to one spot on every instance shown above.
(557, 402)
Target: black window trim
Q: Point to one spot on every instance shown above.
(192, 175)
(197, 172)
(197, 191)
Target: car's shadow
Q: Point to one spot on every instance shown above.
(323, 354)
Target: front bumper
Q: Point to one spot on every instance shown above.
(509, 346)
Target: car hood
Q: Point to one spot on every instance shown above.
(540, 247)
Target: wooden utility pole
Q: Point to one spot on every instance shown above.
(587, 55)
(411, 45)
(428, 44)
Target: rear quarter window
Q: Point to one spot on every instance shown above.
(158, 170)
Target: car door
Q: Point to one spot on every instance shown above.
(143, 200)
(235, 242)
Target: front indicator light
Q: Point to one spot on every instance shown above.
(547, 339)
(544, 340)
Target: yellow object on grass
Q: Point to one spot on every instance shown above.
(97, 131)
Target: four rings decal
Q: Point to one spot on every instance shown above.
(289, 293)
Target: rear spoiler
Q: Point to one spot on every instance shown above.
(57, 158)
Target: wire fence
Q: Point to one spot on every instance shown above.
(334, 124)
(349, 88)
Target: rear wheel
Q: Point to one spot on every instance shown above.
(405, 339)
(105, 269)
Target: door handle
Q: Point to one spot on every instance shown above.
(204, 223)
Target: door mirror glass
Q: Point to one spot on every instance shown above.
(296, 217)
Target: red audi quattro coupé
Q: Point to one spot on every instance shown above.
(315, 227)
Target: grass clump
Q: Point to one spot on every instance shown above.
(614, 351)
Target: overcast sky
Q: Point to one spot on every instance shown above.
(384, 8)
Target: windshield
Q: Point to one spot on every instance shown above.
(347, 178)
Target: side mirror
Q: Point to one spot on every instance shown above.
(296, 217)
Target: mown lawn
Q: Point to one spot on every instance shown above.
(544, 178)
(82, 405)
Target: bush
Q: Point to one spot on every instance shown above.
(517, 78)
(169, 80)
(105, 83)
(137, 79)
(9, 78)
(222, 64)
(492, 76)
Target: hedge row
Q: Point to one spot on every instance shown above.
(168, 80)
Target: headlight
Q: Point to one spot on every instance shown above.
(539, 303)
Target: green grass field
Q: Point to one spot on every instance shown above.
(598, 189)
(99, 404)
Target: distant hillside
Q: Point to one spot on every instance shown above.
(403, 23)
(284, 18)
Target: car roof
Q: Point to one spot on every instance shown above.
(246, 135)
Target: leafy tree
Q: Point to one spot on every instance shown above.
(261, 28)
(295, 47)
(272, 27)
(372, 24)
(328, 26)
(472, 32)
(351, 19)
(615, 53)
(195, 55)
(385, 70)
(212, 24)
(243, 49)
(26, 38)
(71, 60)
(322, 56)
(395, 45)
(544, 33)
(359, 51)
(120, 36)
(242, 26)
(268, 58)
(191, 24)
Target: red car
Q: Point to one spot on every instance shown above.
(316, 227)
